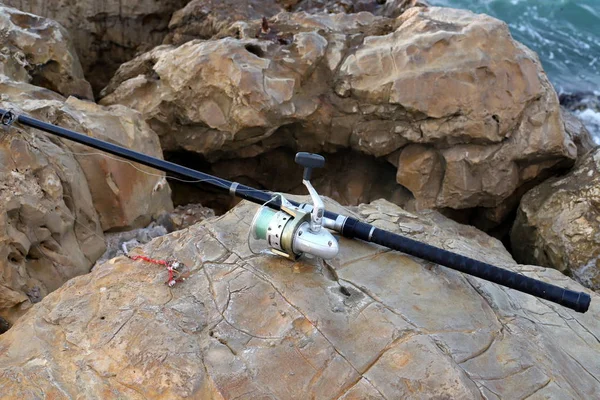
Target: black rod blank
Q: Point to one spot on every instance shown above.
(352, 228)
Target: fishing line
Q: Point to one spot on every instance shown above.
(264, 251)
(208, 180)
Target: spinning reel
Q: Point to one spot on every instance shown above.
(297, 230)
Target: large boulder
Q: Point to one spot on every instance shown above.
(557, 223)
(125, 195)
(40, 51)
(49, 228)
(369, 324)
(466, 113)
(109, 32)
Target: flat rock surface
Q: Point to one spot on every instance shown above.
(368, 324)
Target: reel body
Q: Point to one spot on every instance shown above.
(293, 231)
(288, 233)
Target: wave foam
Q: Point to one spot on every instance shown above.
(591, 120)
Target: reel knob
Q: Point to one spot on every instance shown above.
(309, 161)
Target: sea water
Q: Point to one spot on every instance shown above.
(566, 36)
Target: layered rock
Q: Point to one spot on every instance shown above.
(203, 19)
(125, 195)
(385, 8)
(369, 324)
(445, 94)
(39, 51)
(106, 33)
(57, 198)
(557, 223)
(49, 229)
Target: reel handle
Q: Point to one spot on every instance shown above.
(309, 161)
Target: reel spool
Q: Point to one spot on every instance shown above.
(294, 231)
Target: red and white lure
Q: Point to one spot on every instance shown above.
(178, 272)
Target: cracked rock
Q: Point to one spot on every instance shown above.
(264, 327)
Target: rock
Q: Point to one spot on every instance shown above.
(580, 101)
(206, 19)
(182, 217)
(389, 8)
(185, 216)
(586, 107)
(369, 324)
(203, 19)
(376, 85)
(4, 325)
(49, 229)
(39, 51)
(557, 223)
(106, 33)
(131, 239)
(125, 195)
(579, 134)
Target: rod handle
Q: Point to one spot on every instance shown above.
(578, 301)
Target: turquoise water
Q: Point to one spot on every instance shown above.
(566, 36)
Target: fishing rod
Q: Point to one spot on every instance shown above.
(292, 229)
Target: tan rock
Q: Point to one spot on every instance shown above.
(125, 195)
(185, 216)
(39, 51)
(419, 170)
(369, 324)
(327, 82)
(106, 33)
(557, 223)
